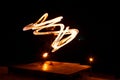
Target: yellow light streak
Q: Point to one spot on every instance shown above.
(59, 40)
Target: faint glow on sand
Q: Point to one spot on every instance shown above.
(59, 40)
(45, 67)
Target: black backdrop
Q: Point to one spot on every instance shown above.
(93, 19)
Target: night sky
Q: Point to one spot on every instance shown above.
(93, 19)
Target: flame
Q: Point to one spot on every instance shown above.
(58, 42)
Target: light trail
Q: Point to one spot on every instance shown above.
(59, 40)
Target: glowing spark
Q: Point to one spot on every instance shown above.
(45, 55)
(58, 42)
(91, 59)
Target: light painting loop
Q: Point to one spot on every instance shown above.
(59, 40)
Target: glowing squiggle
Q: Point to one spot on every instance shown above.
(58, 42)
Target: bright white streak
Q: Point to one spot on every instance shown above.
(58, 42)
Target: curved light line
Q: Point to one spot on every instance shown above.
(58, 42)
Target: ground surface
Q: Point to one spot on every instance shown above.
(86, 76)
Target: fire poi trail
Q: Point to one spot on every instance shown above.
(59, 40)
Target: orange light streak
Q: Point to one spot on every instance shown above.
(58, 42)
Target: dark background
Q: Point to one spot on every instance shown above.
(93, 19)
